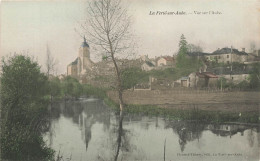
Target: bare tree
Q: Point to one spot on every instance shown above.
(50, 62)
(252, 47)
(194, 48)
(108, 28)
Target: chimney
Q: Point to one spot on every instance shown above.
(244, 49)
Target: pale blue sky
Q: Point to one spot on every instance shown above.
(30, 25)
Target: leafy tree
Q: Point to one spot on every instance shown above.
(23, 110)
(72, 87)
(194, 48)
(254, 77)
(55, 87)
(133, 76)
(182, 54)
(183, 61)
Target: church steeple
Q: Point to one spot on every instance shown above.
(84, 44)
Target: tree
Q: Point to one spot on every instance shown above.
(185, 61)
(109, 30)
(72, 87)
(133, 76)
(254, 77)
(23, 110)
(181, 57)
(194, 48)
(252, 47)
(183, 45)
(50, 62)
(54, 87)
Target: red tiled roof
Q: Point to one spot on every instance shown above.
(168, 58)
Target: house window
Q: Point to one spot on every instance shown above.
(219, 57)
(227, 62)
(227, 56)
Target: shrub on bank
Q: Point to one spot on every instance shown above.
(23, 110)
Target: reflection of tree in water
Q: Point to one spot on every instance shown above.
(250, 138)
(118, 144)
(187, 131)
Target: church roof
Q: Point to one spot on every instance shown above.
(84, 44)
(75, 62)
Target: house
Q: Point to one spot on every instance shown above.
(228, 55)
(147, 66)
(236, 75)
(202, 79)
(183, 82)
(225, 55)
(165, 61)
(144, 58)
(160, 83)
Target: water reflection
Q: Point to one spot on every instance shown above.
(105, 135)
(187, 131)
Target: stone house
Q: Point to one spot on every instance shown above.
(182, 82)
(227, 56)
(165, 61)
(237, 75)
(201, 80)
(147, 66)
(224, 55)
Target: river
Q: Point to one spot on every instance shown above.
(88, 130)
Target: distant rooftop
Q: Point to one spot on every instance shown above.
(75, 62)
(218, 52)
(229, 50)
(149, 63)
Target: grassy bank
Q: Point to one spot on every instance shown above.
(178, 114)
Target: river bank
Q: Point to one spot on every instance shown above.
(204, 100)
(219, 107)
(208, 106)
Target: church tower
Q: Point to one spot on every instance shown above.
(83, 57)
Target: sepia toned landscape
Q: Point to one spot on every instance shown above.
(130, 80)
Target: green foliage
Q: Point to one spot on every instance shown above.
(104, 57)
(133, 76)
(23, 110)
(22, 80)
(254, 77)
(90, 90)
(183, 60)
(171, 73)
(71, 87)
(55, 87)
(183, 48)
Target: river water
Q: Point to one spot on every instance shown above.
(88, 130)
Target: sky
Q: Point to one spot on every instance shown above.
(28, 26)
